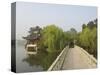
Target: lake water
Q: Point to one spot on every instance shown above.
(23, 61)
(33, 63)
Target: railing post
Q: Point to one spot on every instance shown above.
(57, 64)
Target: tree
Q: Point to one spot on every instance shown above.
(83, 26)
(95, 21)
(84, 39)
(53, 38)
(88, 37)
(71, 34)
(91, 24)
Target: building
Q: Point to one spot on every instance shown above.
(32, 40)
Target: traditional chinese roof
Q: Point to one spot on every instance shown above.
(33, 29)
(34, 33)
(32, 37)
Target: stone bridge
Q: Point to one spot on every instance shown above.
(73, 58)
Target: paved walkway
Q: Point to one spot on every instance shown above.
(77, 59)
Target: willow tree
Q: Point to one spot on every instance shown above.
(53, 38)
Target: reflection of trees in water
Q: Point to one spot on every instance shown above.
(42, 59)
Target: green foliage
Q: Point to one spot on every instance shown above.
(92, 24)
(84, 38)
(88, 38)
(71, 35)
(84, 26)
(53, 38)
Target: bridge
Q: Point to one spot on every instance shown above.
(73, 58)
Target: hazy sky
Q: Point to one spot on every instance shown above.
(64, 16)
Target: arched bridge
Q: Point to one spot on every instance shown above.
(73, 58)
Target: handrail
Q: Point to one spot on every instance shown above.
(57, 64)
(90, 56)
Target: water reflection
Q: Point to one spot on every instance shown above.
(33, 63)
(42, 59)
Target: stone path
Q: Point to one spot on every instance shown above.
(77, 59)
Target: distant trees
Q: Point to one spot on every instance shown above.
(84, 26)
(71, 35)
(54, 39)
(88, 37)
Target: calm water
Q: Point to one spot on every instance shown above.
(33, 63)
(23, 61)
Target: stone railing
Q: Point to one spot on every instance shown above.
(92, 61)
(57, 64)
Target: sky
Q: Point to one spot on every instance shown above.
(40, 14)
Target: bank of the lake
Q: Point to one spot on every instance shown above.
(32, 63)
